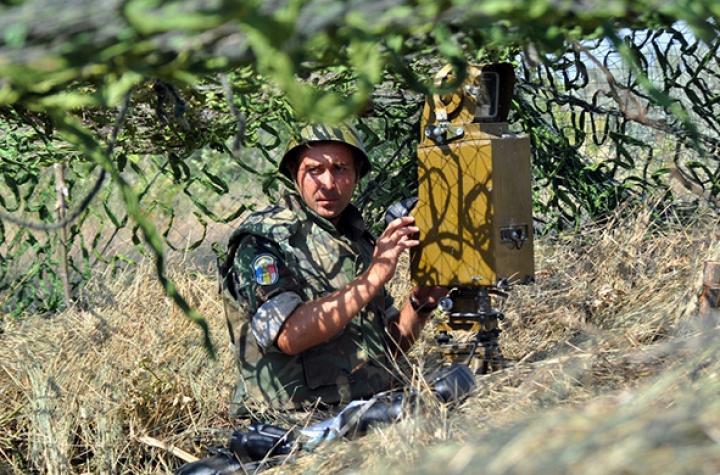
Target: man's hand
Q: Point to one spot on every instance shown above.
(427, 298)
(398, 236)
(414, 314)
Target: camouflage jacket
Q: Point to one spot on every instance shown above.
(291, 251)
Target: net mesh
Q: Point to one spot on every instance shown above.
(609, 120)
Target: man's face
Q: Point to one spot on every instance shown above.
(326, 176)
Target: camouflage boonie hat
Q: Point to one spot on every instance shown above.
(343, 133)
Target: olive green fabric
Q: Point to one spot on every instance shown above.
(312, 259)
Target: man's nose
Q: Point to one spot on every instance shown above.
(327, 179)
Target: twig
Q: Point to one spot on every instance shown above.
(62, 193)
(239, 116)
(179, 453)
(641, 112)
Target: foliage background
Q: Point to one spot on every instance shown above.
(176, 113)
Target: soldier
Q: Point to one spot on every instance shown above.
(308, 314)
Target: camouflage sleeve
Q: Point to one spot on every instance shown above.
(271, 315)
(268, 286)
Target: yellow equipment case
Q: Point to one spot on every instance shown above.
(474, 207)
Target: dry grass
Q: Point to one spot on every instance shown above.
(79, 390)
(611, 372)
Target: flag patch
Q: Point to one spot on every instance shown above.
(265, 269)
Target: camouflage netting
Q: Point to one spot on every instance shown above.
(172, 116)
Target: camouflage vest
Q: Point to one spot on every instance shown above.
(354, 364)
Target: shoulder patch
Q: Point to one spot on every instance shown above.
(265, 269)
